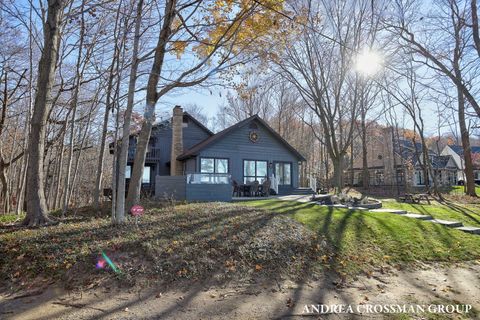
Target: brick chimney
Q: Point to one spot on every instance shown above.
(176, 167)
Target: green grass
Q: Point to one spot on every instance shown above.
(468, 214)
(10, 218)
(362, 240)
(459, 190)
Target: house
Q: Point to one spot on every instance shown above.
(187, 161)
(396, 161)
(456, 152)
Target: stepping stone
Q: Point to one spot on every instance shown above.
(395, 211)
(358, 208)
(417, 216)
(447, 223)
(473, 230)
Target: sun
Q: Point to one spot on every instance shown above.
(368, 62)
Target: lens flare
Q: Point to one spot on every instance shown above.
(102, 263)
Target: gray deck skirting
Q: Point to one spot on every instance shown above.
(176, 187)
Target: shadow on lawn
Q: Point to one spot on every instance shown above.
(214, 227)
(474, 216)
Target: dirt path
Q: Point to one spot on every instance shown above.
(431, 285)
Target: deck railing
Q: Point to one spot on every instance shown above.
(209, 178)
(152, 153)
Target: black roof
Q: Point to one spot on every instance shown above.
(168, 123)
(193, 151)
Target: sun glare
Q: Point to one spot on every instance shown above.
(368, 63)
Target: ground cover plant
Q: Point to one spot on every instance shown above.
(195, 242)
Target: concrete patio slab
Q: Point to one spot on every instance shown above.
(394, 211)
(295, 197)
(417, 216)
(447, 223)
(473, 230)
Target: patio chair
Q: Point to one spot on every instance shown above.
(266, 187)
(236, 189)
(254, 188)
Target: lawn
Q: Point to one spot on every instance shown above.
(224, 242)
(468, 214)
(458, 190)
(364, 240)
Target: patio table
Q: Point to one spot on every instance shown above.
(245, 189)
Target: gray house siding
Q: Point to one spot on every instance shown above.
(190, 166)
(238, 147)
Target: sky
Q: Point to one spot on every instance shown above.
(209, 102)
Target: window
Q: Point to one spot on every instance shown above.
(378, 177)
(128, 172)
(419, 178)
(254, 170)
(146, 175)
(283, 172)
(400, 176)
(213, 165)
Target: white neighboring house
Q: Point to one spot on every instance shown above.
(456, 151)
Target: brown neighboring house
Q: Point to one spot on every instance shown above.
(398, 162)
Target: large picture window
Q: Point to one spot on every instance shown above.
(283, 172)
(254, 170)
(213, 165)
(146, 174)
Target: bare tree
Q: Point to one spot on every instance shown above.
(123, 154)
(450, 19)
(321, 70)
(36, 203)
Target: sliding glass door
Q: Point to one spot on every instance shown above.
(283, 173)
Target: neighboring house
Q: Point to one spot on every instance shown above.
(398, 162)
(187, 161)
(456, 152)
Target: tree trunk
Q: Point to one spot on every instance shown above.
(467, 153)
(461, 95)
(365, 172)
(36, 204)
(151, 99)
(475, 31)
(108, 107)
(4, 194)
(78, 77)
(338, 171)
(123, 154)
